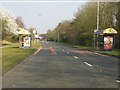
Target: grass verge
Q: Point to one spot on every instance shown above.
(114, 53)
(14, 55)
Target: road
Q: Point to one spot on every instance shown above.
(59, 66)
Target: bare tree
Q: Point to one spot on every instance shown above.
(20, 22)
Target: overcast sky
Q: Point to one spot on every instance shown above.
(43, 15)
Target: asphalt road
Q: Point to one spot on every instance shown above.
(58, 66)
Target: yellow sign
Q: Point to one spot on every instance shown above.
(110, 31)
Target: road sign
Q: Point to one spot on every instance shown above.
(98, 32)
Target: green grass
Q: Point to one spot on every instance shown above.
(111, 53)
(79, 47)
(115, 53)
(14, 55)
(35, 45)
(84, 48)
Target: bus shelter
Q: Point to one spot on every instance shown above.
(108, 38)
(25, 38)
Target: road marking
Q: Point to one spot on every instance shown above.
(63, 50)
(37, 51)
(67, 52)
(88, 64)
(76, 57)
(117, 81)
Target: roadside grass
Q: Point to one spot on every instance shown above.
(14, 55)
(79, 47)
(111, 53)
(85, 48)
(35, 45)
(114, 53)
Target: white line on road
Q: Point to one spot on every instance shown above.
(88, 64)
(76, 57)
(63, 50)
(37, 51)
(117, 81)
(67, 52)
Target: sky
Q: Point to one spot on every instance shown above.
(43, 15)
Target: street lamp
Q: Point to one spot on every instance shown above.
(98, 20)
(59, 32)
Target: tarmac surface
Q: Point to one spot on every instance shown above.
(58, 66)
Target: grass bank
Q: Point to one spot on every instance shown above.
(111, 53)
(114, 53)
(14, 55)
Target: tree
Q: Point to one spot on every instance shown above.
(81, 29)
(7, 24)
(85, 20)
(20, 22)
(50, 36)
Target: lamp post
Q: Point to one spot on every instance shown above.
(94, 37)
(98, 4)
(59, 33)
(34, 32)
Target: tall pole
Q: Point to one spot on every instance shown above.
(59, 32)
(94, 38)
(98, 20)
(119, 24)
(58, 35)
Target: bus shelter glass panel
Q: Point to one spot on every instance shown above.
(108, 42)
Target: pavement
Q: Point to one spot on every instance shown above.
(59, 66)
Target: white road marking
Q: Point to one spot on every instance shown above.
(37, 51)
(117, 81)
(88, 64)
(63, 50)
(67, 52)
(76, 57)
